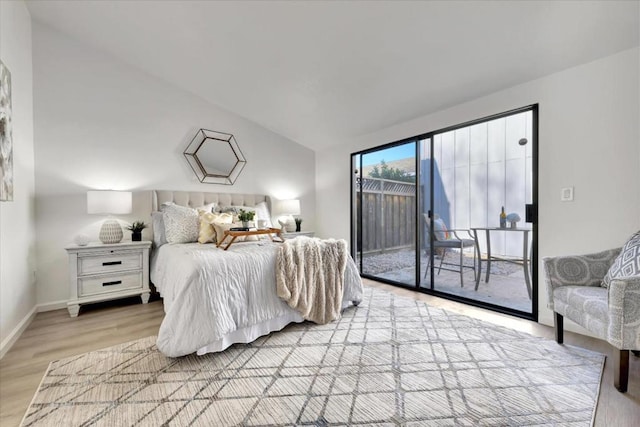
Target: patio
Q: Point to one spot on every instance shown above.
(506, 286)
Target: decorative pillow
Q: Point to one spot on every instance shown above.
(207, 232)
(209, 207)
(181, 224)
(627, 263)
(262, 213)
(222, 227)
(235, 210)
(157, 224)
(440, 229)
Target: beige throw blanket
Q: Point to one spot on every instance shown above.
(310, 277)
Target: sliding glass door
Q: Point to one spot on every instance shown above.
(452, 212)
(385, 200)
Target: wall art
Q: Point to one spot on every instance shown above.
(6, 138)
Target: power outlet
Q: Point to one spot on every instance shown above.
(566, 194)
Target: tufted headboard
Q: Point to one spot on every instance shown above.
(196, 198)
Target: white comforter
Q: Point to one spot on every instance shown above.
(213, 298)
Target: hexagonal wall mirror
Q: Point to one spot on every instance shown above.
(215, 157)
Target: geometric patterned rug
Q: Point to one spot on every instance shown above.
(390, 361)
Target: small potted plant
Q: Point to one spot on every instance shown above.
(245, 217)
(136, 230)
(298, 224)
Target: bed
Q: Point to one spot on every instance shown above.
(215, 298)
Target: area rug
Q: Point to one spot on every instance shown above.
(390, 361)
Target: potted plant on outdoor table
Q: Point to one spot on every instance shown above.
(245, 217)
(136, 230)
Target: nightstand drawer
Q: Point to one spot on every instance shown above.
(107, 284)
(107, 263)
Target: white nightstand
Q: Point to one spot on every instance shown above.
(294, 234)
(100, 272)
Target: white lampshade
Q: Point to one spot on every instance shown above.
(290, 207)
(109, 202)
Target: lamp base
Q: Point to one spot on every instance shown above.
(111, 232)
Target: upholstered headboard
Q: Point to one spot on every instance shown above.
(194, 199)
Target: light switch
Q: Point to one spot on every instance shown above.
(566, 194)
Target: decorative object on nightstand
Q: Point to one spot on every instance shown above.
(136, 230)
(81, 240)
(298, 224)
(287, 209)
(101, 272)
(109, 202)
(245, 217)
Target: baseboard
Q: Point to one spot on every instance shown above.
(50, 306)
(8, 342)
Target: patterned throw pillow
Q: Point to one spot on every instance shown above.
(222, 227)
(235, 210)
(627, 263)
(181, 224)
(207, 232)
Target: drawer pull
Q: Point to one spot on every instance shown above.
(112, 263)
(116, 282)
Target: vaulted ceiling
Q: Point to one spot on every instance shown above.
(321, 72)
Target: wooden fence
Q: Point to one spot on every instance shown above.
(388, 220)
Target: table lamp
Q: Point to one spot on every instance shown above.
(109, 202)
(288, 208)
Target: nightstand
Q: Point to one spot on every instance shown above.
(101, 272)
(293, 234)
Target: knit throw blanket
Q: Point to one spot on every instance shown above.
(310, 277)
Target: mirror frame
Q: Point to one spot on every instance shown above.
(204, 136)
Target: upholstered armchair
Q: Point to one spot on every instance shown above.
(575, 290)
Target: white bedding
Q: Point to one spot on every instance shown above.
(214, 298)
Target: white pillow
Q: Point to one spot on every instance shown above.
(181, 223)
(209, 207)
(262, 212)
(157, 224)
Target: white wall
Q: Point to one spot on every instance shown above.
(101, 123)
(589, 137)
(17, 218)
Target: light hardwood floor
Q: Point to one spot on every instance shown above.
(54, 335)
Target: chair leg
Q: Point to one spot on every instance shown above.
(444, 254)
(428, 264)
(475, 271)
(621, 370)
(558, 324)
(461, 269)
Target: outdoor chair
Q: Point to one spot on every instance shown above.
(445, 239)
(600, 292)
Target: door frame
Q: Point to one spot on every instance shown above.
(356, 235)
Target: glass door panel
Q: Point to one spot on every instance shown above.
(477, 171)
(385, 214)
